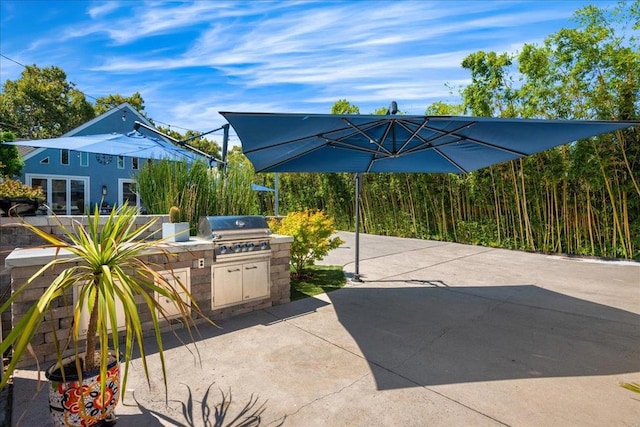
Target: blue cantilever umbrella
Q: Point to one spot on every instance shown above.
(376, 143)
(133, 144)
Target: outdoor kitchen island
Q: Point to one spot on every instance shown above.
(214, 282)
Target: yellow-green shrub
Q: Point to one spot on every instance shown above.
(311, 232)
(10, 188)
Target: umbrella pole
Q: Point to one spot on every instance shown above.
(356, 275)
(276, 207)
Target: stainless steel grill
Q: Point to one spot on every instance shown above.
(233, 237)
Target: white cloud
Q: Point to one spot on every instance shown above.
(190, 60)
(103, 8)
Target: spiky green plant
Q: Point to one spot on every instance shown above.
(104, 262)
(635, 387)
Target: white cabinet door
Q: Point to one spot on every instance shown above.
(184, 276)
(227, 285)
(255, 280)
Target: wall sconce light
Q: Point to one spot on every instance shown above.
(124, 116)
(104, 190)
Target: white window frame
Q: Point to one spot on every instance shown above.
(122, 181)
(49, 177)
(121, 162)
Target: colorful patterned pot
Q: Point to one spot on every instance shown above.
(65, 398)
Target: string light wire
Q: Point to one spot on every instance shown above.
(168, 125)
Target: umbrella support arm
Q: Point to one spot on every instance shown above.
(211, 158)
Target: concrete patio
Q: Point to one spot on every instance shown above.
(437, 334)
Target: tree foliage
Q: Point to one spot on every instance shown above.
(10, 162)
(106, 103)
(43, 104)
(344, 107)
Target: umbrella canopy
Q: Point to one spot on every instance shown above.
(133, 144)
(375, 143)
(257, 187)
(390, 143)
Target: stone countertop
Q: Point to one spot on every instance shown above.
(26, 257)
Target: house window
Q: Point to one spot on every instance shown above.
(84, 159)
(120, 162)
(64, 157)
(45, 161)
(65, 195)
(127, 192)
(134, 163)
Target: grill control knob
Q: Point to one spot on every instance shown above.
(223, 249)
(263, 246)
(237, 248)
(251, 246)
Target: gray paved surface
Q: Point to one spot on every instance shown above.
(437, 334)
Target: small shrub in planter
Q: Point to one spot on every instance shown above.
(175, 231)
(17, 198)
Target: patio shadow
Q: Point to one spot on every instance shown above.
(435, 334)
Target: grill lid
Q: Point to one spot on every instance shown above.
(219, 227)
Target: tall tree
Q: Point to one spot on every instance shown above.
(440, 108)
(343, 106)
(106, 103)
(490, 92)
(10, 162)
(43, 104)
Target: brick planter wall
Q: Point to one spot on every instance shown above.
(13, 236)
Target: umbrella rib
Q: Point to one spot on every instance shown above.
(494, 146)
(305, 138)
(280, 144)
(414, 134)
(344, 145)
(450, 160)
(436, 149)
(372, 140)
(443, 134)
(470, 139)
(297, 156)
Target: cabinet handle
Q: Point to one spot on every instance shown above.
(231, 271)
(251, 268)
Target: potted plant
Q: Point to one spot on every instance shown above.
(17, 198)
(174, 230)
(102, 262)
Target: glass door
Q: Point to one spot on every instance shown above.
(77, 196)
(59, 196)
(64, 195)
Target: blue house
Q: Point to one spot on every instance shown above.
(74, 181)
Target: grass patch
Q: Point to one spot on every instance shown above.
(317, 279)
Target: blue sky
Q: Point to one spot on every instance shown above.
(190, 60)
